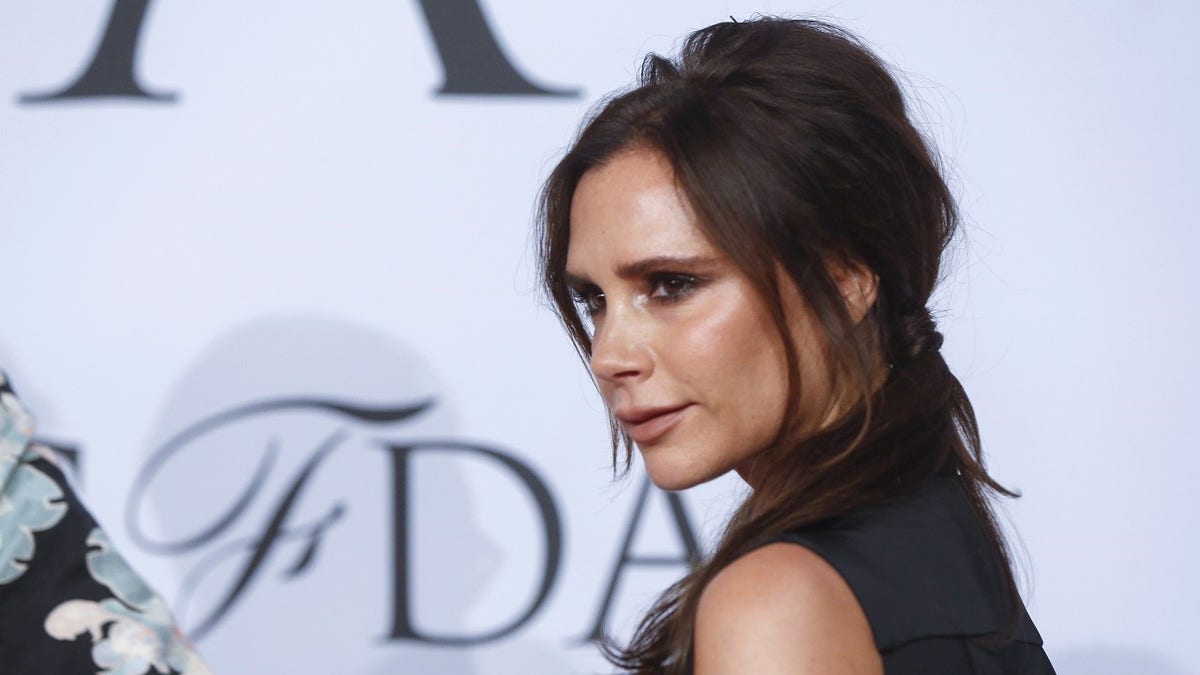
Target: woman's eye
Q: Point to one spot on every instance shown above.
(670, 287)
(590, 300)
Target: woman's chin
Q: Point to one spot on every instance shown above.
(672, 483)
(672, 477)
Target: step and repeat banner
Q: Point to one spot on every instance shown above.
(268, 285)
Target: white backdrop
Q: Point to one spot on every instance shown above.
(308, 219)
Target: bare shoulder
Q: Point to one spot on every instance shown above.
(782, 609)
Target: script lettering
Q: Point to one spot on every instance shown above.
(251, 553)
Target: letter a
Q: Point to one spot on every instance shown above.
(473, 61)
(111, 71)
(690, 554)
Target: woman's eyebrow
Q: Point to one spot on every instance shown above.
(660, 263)
(644, 266)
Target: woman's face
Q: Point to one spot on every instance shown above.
(684, 349)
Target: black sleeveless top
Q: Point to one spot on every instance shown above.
(922, 569)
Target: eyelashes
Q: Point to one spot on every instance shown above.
(660, 287)
(671, 286)
(589, 299)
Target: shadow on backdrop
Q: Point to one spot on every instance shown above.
(270, 482)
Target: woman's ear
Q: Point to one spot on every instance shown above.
(858, 285)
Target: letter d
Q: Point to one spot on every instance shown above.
(402, 624)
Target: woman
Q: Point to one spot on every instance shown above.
(743, 248)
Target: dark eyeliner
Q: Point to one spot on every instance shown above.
(687, 284)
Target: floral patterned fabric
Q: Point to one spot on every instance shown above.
(68, 602)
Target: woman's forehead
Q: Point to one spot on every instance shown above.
(629, 208)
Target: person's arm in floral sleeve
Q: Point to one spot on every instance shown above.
(69, 603)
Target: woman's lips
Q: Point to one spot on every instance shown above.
(646, 427)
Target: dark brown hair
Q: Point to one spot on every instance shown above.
(792, 142)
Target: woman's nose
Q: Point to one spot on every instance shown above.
(619, 348)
